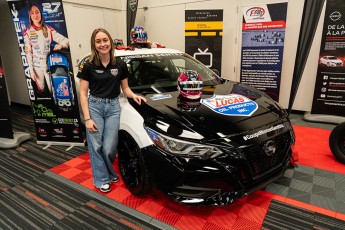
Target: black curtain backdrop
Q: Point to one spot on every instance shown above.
(310, 18)
(132, 6)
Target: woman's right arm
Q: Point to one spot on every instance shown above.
(83, 93)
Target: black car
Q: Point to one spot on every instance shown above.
(230, 142)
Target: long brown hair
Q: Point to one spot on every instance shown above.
(94, 58)
(42, 24)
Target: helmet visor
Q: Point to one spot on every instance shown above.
(191, 85)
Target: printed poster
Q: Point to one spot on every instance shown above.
(203, 34)
(45, 51)
(329, 92)
(263, 34)
(5, 116)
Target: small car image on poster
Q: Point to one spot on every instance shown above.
(45, 49)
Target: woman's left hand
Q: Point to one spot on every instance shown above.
(139, 99)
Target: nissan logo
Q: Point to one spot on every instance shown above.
(335, 16)
(269, 148)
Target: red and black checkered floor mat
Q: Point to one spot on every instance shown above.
(317, 185)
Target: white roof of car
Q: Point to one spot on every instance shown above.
(141, 51)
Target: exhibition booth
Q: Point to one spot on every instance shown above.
(228, 137)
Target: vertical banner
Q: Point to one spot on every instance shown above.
(203, 34)
(329, 93)
(132, 6)
(263, 33)
(5, 117)
(44, 49)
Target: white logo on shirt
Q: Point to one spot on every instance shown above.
(99, 71)
(114, 72)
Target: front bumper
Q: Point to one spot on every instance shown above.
(221, 180)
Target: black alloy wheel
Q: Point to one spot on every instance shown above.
(133, 168)
(337, 142)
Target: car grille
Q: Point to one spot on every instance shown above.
(259, 163)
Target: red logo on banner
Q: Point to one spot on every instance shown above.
(255, 12)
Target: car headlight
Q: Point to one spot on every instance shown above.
(182, 148)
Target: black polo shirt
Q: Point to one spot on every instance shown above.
(103, 81)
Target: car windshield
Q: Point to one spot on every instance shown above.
(157, 71)
(332, 58)
(59, 71)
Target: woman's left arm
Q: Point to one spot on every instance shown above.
(129, 93)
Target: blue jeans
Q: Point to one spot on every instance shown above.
(102, 144)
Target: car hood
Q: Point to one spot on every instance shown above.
(170, 114)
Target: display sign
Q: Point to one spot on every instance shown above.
(132, 7)
(203, 34)
(329, 93)
(44, 49)
(231, 105)
(5, 117)
(263, 34)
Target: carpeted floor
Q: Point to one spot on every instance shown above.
(31, 198)
(52, 188)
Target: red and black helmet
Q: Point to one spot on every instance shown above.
(138, 35)
(189, 84)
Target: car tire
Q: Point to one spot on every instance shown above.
(337, 142)
(134, 169)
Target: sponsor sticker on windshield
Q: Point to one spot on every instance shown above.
(231, 105)
(160, 97)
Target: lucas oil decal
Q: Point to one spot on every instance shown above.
(231, 105)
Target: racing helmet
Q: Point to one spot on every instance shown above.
(189, 84)
(138, 35)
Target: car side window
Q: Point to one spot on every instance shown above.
(133, 68)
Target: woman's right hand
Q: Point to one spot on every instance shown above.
(90, 125)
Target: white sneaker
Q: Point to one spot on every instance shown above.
(105, 188)
(116, 179)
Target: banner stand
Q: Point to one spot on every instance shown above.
(323, 118)
(71, 145)
(47, 59)
(18, 138)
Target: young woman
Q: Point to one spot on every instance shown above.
(38, 38)
(102, 76)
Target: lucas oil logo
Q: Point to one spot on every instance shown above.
(231, 105)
